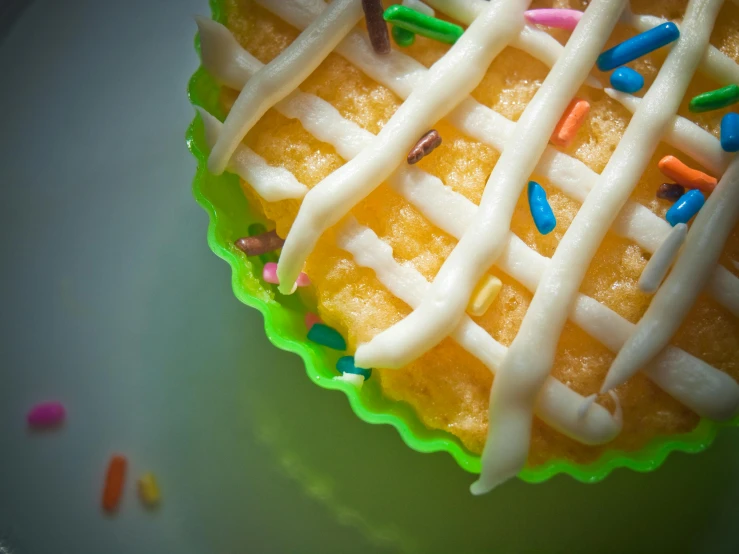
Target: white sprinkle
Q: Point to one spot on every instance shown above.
(354, 379)
(662, 259)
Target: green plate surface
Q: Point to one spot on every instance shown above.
(231, 218)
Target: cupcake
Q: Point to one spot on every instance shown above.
(511, 229)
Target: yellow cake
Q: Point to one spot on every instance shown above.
(448, 387)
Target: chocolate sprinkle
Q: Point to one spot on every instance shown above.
(670, 191)
(260, 244)
(424, 146)
(376, 26)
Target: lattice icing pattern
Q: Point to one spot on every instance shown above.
(522, 371)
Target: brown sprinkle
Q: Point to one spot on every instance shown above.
(376, 26)
(424, 146)
(670, 191)
(260, 244)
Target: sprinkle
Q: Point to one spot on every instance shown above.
(715, 99)
(730, 132)
(685, 208)
(424, 146)
(402, 37)
(346, 365)
(683, 175)
(670, 191)
(484, 295)
(311, 319)
(419, 7)
(269, 274)
(626, 79)
(327, 336)
(356, 380)
(46, 414)
(149, 490)
(638, 46)
(376, 26)
(657, 266)
(570, 123)
(114, 480)
(554, 18)
(260, 244)
(541, 211)
(422, 24)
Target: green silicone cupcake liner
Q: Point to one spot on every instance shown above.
(231, 218)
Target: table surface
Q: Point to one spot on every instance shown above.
(113, 304)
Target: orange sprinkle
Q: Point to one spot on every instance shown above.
(569, 125)
(683, 175)
(114, 483)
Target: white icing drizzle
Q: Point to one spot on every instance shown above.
(484, 240)
(704, 389)
(282, 75)
(232, 66)
(557, 405)
(401, 73)
(531, 354)
(270, 182)
(445, 85)
(714, 63)
(715, 394)
(419, 7)
(659, 264)
(673, 300)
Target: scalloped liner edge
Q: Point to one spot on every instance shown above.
(647, 459)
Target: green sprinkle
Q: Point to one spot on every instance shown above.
(715, 99)
(422, 24)
(346, 365)
(327, 336)
(402, 37)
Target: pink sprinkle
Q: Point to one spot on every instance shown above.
(311, 319)
(46, 414)
(556, 18)
(270, 275)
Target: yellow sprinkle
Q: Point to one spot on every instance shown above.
(484, 294)
(148, 489)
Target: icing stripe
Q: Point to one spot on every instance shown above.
(270, 182)
(673, 300)
(401, 73)
(483, 241)
(447, 83)
(557, 404)
(282, 75)
(704, 389)
(531, 354)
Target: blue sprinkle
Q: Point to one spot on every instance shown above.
(730, 132)
(686, 207)
(638, 46)
(626, 79)
(346, 365)
(327, 336)
(541, 211)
